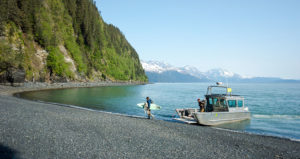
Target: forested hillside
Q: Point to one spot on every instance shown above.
(62, 40)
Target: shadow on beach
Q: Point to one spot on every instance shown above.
(7, 152)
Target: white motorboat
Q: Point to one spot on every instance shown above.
(219, 108)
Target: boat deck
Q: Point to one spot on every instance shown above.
(186, 120)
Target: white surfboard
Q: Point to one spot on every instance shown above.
(152, 107)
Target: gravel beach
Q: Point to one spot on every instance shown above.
(31, 129)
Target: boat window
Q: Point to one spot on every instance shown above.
(209, 107)
(210, 101)
(215, 102)
(231, 103)
(223, 103)
(240, 103)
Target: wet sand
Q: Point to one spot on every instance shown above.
(31, 129)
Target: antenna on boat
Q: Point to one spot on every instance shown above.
(227, 82)
(228, 89)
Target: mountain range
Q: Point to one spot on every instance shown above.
(163, 72)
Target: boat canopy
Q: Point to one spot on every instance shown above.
(225, 90)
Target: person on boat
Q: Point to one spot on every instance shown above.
(201, 104)
(148, 105)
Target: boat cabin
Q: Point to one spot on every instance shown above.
(223, 100)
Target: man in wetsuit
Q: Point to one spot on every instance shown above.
(149, 101)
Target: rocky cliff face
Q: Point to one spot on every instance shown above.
(61, 41)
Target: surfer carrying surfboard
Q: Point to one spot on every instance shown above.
(148, 105)
(148, 108)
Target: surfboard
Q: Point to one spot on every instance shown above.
(152, 107)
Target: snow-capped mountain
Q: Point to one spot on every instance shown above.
(211, 75)
(190, 70)
(222, 74)
(160, 67)
(164, 72)
(157, 66)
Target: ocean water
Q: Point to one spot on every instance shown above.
(275, 107)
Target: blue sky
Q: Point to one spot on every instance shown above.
(249, 37)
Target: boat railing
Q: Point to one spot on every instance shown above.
(227, 90)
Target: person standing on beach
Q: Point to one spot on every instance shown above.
(149, 101)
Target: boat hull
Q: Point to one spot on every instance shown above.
(216, 118)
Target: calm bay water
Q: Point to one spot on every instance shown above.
(275, 108)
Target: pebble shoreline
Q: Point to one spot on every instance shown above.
(34, 86)
(31, 129)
